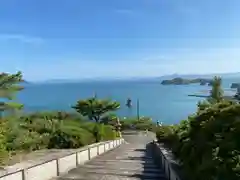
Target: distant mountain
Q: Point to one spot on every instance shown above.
(62, 81)
(56, 81)
(194, 76)
(146, 79)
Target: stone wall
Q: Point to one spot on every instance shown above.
(165, 159)
(57, 166)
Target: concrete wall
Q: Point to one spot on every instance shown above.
(101, 149)
(93, 152)
(165, 160)
(61, 165)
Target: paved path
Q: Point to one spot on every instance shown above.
(130, 161)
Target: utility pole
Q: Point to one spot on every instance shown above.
(138, 110)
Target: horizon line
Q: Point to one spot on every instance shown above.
(128, 78)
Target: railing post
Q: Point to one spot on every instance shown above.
(89, 155)
(98, 150)
(58, 170)
(76, 158)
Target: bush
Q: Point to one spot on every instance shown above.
(109, 133)
(3, 150)
(68, 137)
(60, 115)
(30, 141)
(142, 124)
(163, 134)
(101, 132)
(207, 144)
(34, 133)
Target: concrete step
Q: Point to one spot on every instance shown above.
(107, 177)
(120, 164)
(97, 175)
(133, 168)
(123, 161)
(115, 171)
(127, 162)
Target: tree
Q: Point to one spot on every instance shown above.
(109, 119)
(9, 85)
(95, 108)
(216, 92)
(202, 105)
(129, 103)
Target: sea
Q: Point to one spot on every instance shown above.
(165, 103)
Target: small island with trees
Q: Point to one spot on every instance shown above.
(182, 81)
(235, 85)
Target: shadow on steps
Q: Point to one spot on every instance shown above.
(132, 162)
(140, 150)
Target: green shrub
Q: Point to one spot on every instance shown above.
(109, 133)
(68, 137)
(29, 141)
(164, 134)
(142, 124)
(40, 132)
(60, 115)
(207, 144)
(3, 150)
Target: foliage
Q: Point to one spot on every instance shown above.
(30, 134)
(95, 108)
(3, 150)
(202, 105)
(100, 131)
(142, 124)
(68, 136)
(213, 143)
(109, 133)
(61, 115)
(163, 134)
(9, 85)
(216, 95)
(109, 119)
(216, 92)
(207, 144)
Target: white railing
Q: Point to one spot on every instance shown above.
(54, 167)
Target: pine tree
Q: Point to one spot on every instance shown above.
(216, 94)
(95, 108)
(9, 86)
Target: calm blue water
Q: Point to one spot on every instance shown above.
(169, 104)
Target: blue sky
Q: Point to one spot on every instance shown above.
(51, 39)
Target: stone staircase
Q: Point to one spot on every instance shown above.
(130, 161)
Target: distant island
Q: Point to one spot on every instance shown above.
(235, 85)
(182, 81)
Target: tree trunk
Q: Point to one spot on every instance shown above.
(96, 118)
